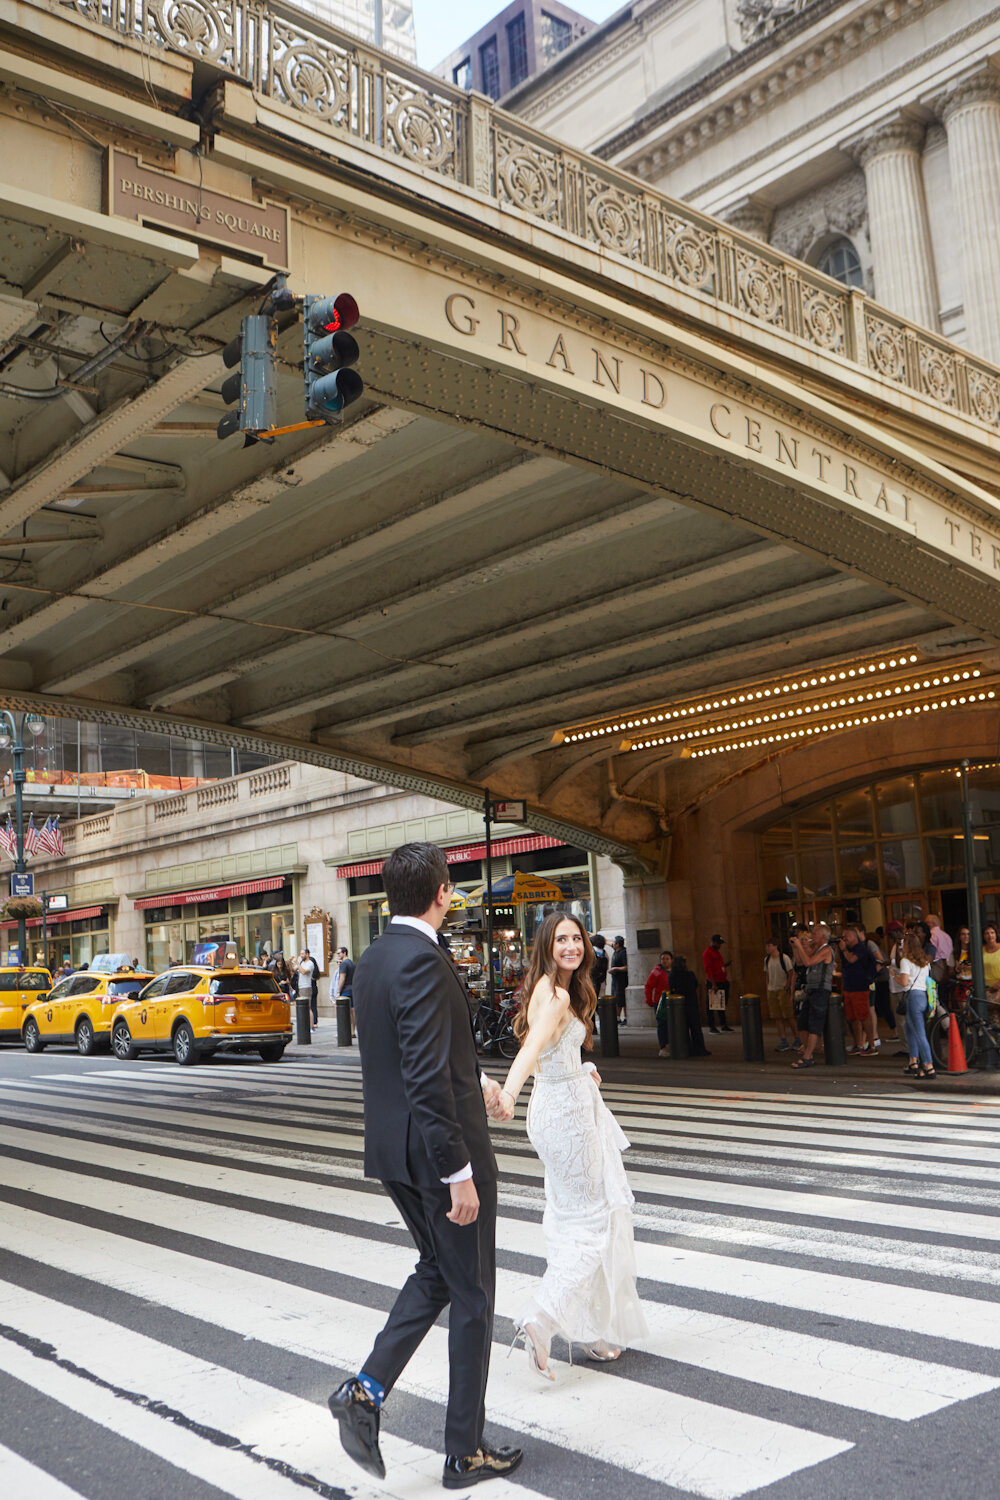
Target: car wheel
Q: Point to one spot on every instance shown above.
(85, 1044)
(33, 1037)
(122, 1044)
(185, 1050)
(272, 1052)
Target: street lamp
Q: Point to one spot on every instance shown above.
(12, 738)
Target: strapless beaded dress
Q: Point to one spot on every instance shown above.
(588, 1292)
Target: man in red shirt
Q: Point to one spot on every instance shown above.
(657, 985)
(715, 967)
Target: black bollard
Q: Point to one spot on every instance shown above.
(607, 1016)
(834, 1051)
(679, 1042)
(303, 1030)
(753, 1028)
(344, 1022)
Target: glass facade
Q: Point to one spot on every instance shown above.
(74, 942)
(67, 747)
(882, 851)
(555, 34)
(259, 924)
(517, 50)
(489, 66)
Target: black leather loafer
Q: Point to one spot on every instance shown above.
(487, 1463)
(359, 1417)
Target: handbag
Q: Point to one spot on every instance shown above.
(716, 999)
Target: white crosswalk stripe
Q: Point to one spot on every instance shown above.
(779, 1241)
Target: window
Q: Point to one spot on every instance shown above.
(489, 66)
(461, 76)
(556, 35)
(244, 984)
(840, 260)
(517, 50)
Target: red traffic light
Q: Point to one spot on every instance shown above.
(334, 314)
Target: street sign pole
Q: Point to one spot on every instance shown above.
(487, 814)
(45, 930)
(20, 864)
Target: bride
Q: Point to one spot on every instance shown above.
(588, 1292)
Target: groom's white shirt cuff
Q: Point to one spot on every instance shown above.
(462, 1176)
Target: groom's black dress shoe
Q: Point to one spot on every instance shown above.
(358, 1416)
(487, 1463)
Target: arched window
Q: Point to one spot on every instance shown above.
(839, 259)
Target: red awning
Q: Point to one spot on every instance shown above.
(213, 893)
(55, 917)
(522, 845)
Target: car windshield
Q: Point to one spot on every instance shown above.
(243, 984)
(27, 980)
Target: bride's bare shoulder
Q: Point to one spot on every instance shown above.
(549, 994)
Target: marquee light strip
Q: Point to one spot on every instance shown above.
(847, 673)
(945, 679)
(851, 723)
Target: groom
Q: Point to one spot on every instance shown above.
(427, 1139)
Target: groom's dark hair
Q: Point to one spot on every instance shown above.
(412, 876)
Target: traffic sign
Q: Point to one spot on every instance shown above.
(22, 883)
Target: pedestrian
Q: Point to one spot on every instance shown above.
(716, 983)
(912, 973)
(812, 950)
(779, 974)
(683, 982)
(991, 963)
(878, 946)
(657, 986)
(67, 968)
(345, 982)
(618, 969)
(944, 948)
(588, 1293)
(858, 969)
(599, 968)
(305, 972)
(427, 1140)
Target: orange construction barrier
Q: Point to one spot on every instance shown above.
(956, 1052)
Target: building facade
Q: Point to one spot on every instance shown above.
(286, 856)
(861, 136)
(516, 44)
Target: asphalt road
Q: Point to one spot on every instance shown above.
(190, 1260)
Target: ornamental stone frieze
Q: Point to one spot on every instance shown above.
(751, 216)
(759, 18)
(839, 207)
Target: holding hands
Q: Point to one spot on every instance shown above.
(499, 1103)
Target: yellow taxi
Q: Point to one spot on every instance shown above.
(78, 1009)
(18, 989)
(197, 1010)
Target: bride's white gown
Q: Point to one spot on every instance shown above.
(588, 1292)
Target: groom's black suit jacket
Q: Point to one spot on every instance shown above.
(424, 1111)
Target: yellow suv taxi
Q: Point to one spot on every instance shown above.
(18, 989)
(195, 1011)
(78, 1009)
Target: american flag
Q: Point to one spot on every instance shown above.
(50, 838)
(8, 839)
(31, 836)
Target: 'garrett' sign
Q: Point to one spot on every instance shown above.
(155, 197)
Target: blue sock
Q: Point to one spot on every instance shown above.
(375, 1391)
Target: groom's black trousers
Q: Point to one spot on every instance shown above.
(457, 1265)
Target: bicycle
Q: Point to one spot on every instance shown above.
(494, 1029)
(979, 1037)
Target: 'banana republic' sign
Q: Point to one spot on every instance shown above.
(155, 197)
(794, 457)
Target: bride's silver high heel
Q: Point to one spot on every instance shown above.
(602, 1352)
(523, 1337)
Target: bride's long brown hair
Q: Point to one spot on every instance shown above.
(582, 997)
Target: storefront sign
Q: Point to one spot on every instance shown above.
(509, 812)
(156, 197)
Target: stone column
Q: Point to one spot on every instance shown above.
(971, 116)
(897, 220)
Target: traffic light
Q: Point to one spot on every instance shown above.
(330, 351)
(253, 384)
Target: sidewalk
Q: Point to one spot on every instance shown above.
(726, 1072)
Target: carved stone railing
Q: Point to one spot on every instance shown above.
(216, 794)
(353, 91)
(169, 807)
(271, 779)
